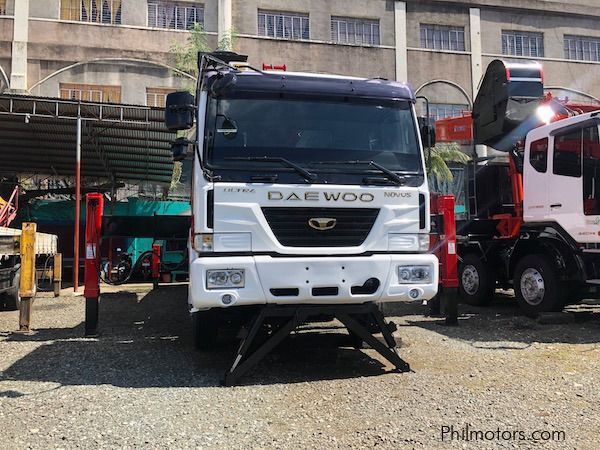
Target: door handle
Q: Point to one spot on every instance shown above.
(556, 205)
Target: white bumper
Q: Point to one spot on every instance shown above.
(265, 273)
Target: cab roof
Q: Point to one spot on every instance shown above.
(321, 84)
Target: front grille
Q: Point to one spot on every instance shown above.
(291, 226)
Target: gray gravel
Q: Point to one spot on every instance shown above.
(141, 383)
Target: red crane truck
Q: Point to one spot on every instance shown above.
(533, 221)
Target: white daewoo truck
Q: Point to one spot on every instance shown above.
(306, 190)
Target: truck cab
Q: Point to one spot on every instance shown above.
(307, 188)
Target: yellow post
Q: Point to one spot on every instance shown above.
(27, 283)
(57, 274)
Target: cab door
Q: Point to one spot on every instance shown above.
(535, 177)
(565, 181)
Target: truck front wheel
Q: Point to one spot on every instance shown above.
(205, 325)
(537, 285)
(476, 281)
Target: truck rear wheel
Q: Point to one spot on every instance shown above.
(537, 285)
(476, 281)
(205, 326)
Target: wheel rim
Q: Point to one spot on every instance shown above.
(470, 279)
(532, 286)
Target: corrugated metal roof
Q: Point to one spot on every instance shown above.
(121, 142)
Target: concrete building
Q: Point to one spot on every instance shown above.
(121, 50)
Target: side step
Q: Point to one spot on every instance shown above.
(352, 316)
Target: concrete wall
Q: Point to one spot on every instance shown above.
(423, 13)
(347, 60)
(552, 26)
(133, 79)
(245, 18)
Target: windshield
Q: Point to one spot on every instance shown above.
(244, 135)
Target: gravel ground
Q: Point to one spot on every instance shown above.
(142, 384)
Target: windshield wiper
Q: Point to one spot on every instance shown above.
(399, 180)
(308, 176)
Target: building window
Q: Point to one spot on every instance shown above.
(520, 43)
(2, 7)
(283, 25)
(439, 111)
(441, 37)
(97, 11)
(582, 48)
(175, 16)
(157, 97)
(91, 92)
(348, 30)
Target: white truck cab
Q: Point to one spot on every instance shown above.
(307, 189)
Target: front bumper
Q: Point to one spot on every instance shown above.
(298, 277)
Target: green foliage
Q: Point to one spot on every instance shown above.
(442, 154)
(186, 56)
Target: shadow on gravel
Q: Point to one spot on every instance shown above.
(501, 325)
(147, 343)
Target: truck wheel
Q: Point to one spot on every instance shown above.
(476, 282)
(205, 325)
(12, 299)
(537, 286)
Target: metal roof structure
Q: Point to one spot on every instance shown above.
(118, 142)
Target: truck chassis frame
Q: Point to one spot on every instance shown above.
(360, 320)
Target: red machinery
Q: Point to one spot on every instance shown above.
(523, 81)
(8, 208)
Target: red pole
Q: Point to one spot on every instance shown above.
(77, 207)
(93, 234)
(155, 264)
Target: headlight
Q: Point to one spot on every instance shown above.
(414, 274)
(219, 279)
(203, 242)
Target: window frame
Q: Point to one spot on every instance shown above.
(373, 33)
(442, 37)
(574, 47)
(90, 89)
(278, 20)
(76, 10)
(171, 11)
(534, 163)
(453, 110)
(156, 92)
(529, 44)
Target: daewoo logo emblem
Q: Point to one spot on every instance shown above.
(322, 223)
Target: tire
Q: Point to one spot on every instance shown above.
(205, 326)
(12, 299)
(537, 285)
(476, 281)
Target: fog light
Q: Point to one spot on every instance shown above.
(227, 299)
(413, 293)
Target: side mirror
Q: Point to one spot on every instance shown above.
(179, 148)
(179, 111)
(428, 136)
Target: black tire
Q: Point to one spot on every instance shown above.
(476, 281)
(205, 326)
(12, 299)
(537, 285)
